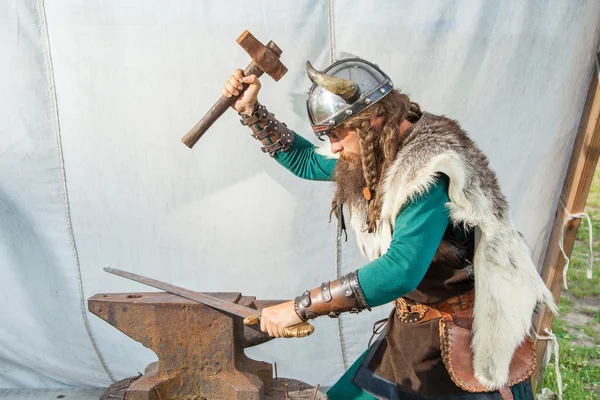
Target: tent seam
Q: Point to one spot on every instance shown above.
(54, 101)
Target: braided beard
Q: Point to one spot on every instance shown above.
(350, 181)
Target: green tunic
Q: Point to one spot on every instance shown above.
(418, 232)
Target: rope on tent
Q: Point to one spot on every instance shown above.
(338, 240)
(332, 49)
(553, 348)
(338, 273)
(590, 260)
(50, 76)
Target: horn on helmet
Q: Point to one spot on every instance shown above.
(346, 89)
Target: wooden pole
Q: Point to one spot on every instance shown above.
(574, 196)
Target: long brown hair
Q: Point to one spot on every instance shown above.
(379, 145)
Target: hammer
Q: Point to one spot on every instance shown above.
(264, 59)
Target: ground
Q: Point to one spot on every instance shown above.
(578, 326)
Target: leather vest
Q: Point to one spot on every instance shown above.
(451, 271)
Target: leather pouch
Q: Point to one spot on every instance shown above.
(455, 341)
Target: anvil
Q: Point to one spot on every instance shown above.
(200, 350)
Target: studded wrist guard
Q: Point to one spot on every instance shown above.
(332, 298)
(273, 134)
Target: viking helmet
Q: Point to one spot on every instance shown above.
(342, 90)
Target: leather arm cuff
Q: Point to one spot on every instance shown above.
(332, 298)
(272, 133)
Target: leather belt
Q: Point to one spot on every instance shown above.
(411, 311)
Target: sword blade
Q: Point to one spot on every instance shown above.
(214, 302)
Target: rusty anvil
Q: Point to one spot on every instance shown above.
(264, 59)
(200, 350)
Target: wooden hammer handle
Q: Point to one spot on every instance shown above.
(217, 110)
(297, 331)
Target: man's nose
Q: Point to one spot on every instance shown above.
(336, 147)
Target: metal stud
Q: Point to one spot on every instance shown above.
(348, 112)
(367, 101)
(331, 122)
(382, 90)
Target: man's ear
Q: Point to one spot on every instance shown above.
(377, 121)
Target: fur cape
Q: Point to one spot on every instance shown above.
(507, 285)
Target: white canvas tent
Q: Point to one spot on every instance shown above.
(97, 94)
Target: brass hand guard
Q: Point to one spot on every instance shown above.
(332, 298)
(272, 133)
(298, 331)
(295, 331)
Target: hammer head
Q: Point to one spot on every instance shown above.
(266, 57)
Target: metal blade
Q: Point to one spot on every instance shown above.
(214, 302)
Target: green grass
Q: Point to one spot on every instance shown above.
(579, 365)
(580, 343)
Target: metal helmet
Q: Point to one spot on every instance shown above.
(342, 90)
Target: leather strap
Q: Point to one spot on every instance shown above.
(332, 298)
(260, 135)
(458, 303)
(273, 134)
(249, 120)
(411, 311)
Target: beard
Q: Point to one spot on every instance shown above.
(350, 181)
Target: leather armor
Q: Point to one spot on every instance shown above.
(272, 133)
(332, 298)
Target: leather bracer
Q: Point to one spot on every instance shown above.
(273, 134)
(332, 298)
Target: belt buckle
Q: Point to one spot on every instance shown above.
(408, 312)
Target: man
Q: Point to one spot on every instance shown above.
(429, 214)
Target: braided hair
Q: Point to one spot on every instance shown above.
(379, 146)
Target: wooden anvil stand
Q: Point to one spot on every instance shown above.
(200, 350)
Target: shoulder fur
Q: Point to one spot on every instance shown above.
(507, 285)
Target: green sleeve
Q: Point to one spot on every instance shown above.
(418, 231)
(303, 161)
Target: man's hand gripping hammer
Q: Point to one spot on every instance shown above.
(264, 59)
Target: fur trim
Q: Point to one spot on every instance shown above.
(507, 285)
